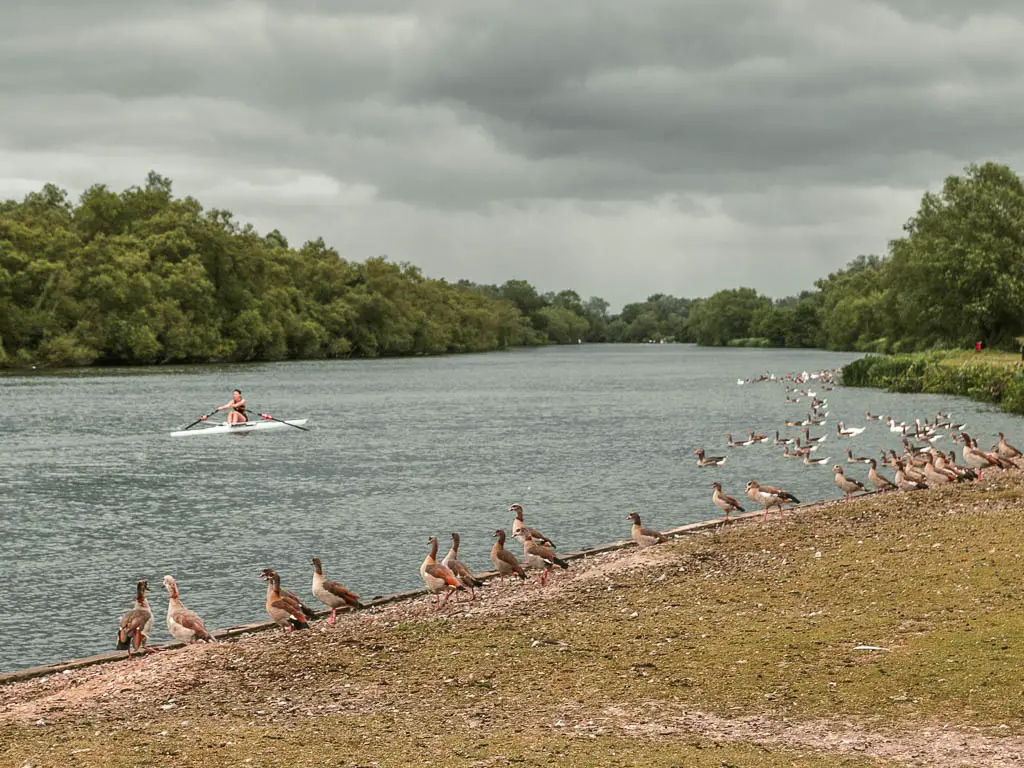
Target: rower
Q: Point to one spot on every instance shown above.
(237, 406)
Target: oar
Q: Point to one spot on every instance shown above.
(201, 418)
(271, 418)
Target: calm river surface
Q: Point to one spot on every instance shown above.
(96, 494)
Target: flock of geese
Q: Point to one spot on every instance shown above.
(920, 466)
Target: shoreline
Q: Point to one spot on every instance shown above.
(228, 634)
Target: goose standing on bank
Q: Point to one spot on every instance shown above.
(137, 623)
(708, 461)
(846, 484)
(331, 593)
(769, 496)
(460, 569)
(906, 483)
(974, 458)
(725, 503)
(518, 525)
(1006, 450)
(437, 577)
(881, 482)
(284, 609)
(184, 625)
(538, 556)
(505, 562)
(644, 537)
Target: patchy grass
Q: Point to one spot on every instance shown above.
(713, 650)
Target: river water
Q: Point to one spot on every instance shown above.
(96, 494)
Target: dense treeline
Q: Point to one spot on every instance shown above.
(142, 277)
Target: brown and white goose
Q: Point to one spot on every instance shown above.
(331, 593)
(846, 484)
(505, 562)
(725, 503)
(815, 462)
(1006, 450)
(518, 525)
(437, 577)
(460, 569)
(136, 625)
(881, 482)
(906, 483)
(813, 440)
(708, 461)
(769, 496)
(935, 475)
(964, 473)
(644, 537)
(284, 609)
(736, 443)
(184, 625)
(538, 556)
(755, 438)
(851, 459)
(974, 458)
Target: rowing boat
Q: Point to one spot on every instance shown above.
(240, 429)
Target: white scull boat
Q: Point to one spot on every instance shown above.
(240, 429)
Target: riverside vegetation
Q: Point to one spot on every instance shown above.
(881, 632)
(141, 277)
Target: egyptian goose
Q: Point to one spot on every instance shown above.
(538, 556)
(184, 625)
(725, 503)
(994, 456)
(137, 623)
(843, 431)
(518, 525)
(881, 482)
(964, 473)
(851, 459)
(505, 562)
(814, 462)
(769, 496)
(792, 423)
(787, 455)
(872, 418)
(284, 609)
(644, 537)
(846, 484)
(437, 577)
(708, 461)
(1006, 450)
(815, 420)
(905, 482)
(974, 458)
(461, 570)
(331, 593)
(736, 444)
(754, 438)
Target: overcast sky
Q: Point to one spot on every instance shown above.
(616, 148)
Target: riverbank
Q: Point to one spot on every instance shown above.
(880, 632)
(988, 377)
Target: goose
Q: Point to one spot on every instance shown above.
(734, 444)
(538, 556)
(644, 537)
(136, 625)
(974, 458)
(708, 461)
(1002, 463)
(754, 438)
(306, 611)
(184, 625)
(1006, 450)
(331, 593)
(769, 496)
(843, 431)
(846, 484)
(851, 459)
(881, 482)
(518, 525)
(505, 562)
(815, 421)
(283, 609)
(795, 455)
(437, 577)
(460, 569)
(869, 417)
(725, 503)
(965, 473)
(792, 399)
(935, 476)
(792, 423)
(783, 440)
(893, 426)
(812, 440)
(905, 483)
(814, 462)
(803, 450)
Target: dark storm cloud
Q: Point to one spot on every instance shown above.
(758, 130)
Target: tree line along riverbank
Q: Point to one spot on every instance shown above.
(876, 632)
(142, 277)
(988, 377)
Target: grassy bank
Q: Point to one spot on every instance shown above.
(990, 377)
(732, 648)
